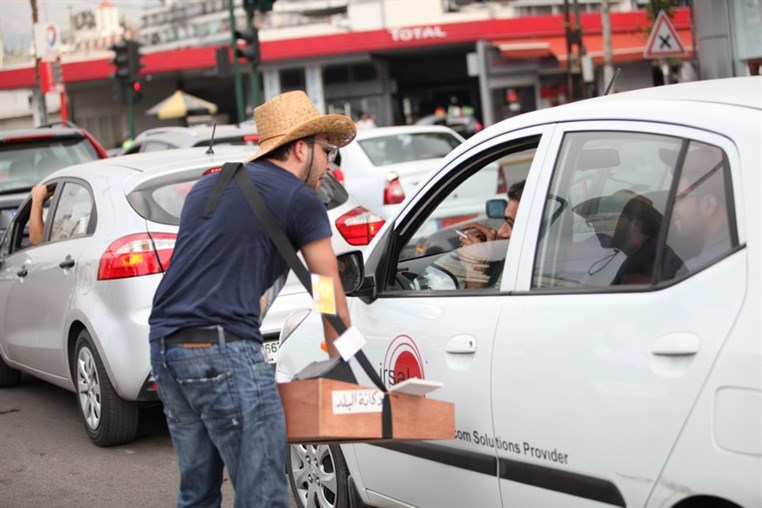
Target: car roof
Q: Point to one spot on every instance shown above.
(378, 132)
(668, 104)
(62, 132)
(150, 165)
(194, 134)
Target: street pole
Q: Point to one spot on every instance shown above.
(254, 67)
(38, 97)
(240, 110)
(608, 68)
(131, 110)
(570, 92)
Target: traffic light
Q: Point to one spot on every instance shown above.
(261, 5)
(133, 60)
(120, 61)
(137, 92)
(250, 51)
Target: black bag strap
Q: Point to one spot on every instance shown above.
(232, 170)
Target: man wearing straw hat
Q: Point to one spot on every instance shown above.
(219, 394)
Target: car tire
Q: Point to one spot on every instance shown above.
(8, 376)
(318, 476)
(109, 419)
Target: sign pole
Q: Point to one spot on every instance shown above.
(236, 68)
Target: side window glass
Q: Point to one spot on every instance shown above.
(604, 213)
(703, 229)
(72, 214)
(462, 240)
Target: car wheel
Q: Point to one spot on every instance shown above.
(109, 419)
(8, 376)
(318, 475)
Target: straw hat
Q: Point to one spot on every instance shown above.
(291, 116)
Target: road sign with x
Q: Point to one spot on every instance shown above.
(664, 41)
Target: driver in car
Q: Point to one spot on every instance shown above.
(483, 265)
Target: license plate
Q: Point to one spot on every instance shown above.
(271, 350)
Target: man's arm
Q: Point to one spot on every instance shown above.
(321, 260)
(40, 194)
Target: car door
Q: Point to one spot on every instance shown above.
(595, 371)
(38, 280)
(425, 323)
(68, 230)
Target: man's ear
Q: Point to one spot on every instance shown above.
(708, 205)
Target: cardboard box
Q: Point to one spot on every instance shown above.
(324, 410)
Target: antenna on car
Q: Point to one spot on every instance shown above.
(613, 78)
(210, 150)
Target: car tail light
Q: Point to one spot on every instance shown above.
(502, 185)
(337, 173)
(212, 170)
(393, 193)
(358, 226)
(479, 126)
(136, 255)
(251, 138)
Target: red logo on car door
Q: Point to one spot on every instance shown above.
(402, 361)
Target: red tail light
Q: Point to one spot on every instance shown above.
(136, 255)
(251, 138)
(502, 185)
(337, 173)
(359, 226)
(393, 193)
(479, 126)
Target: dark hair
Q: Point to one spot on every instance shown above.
(281, 153)
(641, 208)
(516, 190)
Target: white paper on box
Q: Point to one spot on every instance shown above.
(349, 343)
(356, 401)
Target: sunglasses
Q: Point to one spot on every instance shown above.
(330, 149)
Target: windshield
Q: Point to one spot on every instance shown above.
(408, 147)
(23, 164)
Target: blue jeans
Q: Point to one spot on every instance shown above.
(223, 409)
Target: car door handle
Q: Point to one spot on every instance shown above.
(66, 263)
(23, 272)
(461, 345)
(676, 344)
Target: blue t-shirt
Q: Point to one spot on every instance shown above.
(222, 265)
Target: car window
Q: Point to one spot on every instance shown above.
(394, 149)
(431, 256)
(609, 200)
(73, 213)
(24, 164)
(17, 235)
(164, 202)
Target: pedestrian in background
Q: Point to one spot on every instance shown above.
(365, 121)
(219, 394)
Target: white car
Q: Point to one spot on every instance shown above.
(75, 307)
(167, 138)
(616, 357)
(383, 165)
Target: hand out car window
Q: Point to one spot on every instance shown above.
(433, 257)
(609, 209)
(73, 212)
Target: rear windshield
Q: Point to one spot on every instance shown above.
(23, 164)
(408, 147)
(164, 202)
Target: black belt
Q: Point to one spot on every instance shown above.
(199, 336)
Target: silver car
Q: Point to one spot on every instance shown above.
(75, 307)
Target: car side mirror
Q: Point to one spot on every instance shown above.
(496, 208)
(351, 270)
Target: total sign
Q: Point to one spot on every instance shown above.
(47, 41)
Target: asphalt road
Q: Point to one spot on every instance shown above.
(46, 458)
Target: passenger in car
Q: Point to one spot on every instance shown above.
(484, 269)
(636, 234)
(40, 194)
(700, 223)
